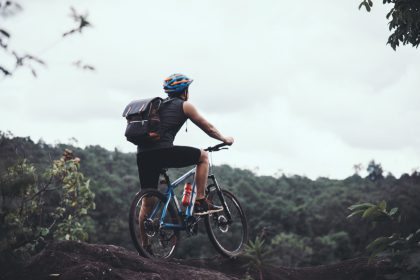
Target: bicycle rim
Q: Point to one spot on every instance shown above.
(229, 239)
(150, 240)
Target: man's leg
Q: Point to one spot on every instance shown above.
(147, 205)
(149, 176)
(180, 156)
(202, 174)
(202, 205)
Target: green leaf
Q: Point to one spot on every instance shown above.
(45, 231)
(364, 3)
(358, 212)
(370, 212)
(5, 33)
(382, 205)
(397, 242)
(408, 238)
(377, 242)
(393, 211)
(360, 206)
(389, 14)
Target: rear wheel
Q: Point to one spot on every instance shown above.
(228, 234)
(149, 238)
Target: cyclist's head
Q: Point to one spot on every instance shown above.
(176, 85)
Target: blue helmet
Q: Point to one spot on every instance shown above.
(176, 83)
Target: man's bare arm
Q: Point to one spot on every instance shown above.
(192, 113)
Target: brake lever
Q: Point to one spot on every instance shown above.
(218, 149)
(211, 149)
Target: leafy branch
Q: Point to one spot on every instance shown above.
(404, 21)
(401, 250)
(27, 60)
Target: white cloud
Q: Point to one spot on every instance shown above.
(306, 87)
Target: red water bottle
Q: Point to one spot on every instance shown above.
(186, 197)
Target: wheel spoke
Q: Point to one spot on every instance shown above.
(228, 237)
(145, 215)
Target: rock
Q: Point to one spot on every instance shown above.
(82, 261)
(70, 260)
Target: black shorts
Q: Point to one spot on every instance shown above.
(151, 162)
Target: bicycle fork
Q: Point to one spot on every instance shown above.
(221, 197)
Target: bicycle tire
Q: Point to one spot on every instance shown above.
(156, 239)
(227, 242)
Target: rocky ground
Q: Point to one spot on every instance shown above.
(72, 260)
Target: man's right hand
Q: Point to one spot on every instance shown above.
(228, 140)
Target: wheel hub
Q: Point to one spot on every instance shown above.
(149, 228)
(222, 223)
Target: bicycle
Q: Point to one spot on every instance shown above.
(155, 229)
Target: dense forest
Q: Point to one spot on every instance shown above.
(302, 221)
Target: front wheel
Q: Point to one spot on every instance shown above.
(150, 239)
(227, 229)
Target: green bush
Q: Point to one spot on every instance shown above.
(402, 251)
(35, 207)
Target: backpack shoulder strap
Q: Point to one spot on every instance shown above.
(168, 99)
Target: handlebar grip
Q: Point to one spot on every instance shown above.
(216, 147)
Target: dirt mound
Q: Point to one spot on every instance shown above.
(354, 269)
(73, 260)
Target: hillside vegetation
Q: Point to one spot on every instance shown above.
(302, 221)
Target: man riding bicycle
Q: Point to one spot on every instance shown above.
(152, 157)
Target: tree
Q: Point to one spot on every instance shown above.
(357, 168)
(374, 171)
(405, 21)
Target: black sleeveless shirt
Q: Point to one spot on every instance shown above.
(172, 117)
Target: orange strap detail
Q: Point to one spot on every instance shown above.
(179, 82)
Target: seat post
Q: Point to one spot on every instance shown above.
(165, 175)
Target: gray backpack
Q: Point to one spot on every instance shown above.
(143, 121)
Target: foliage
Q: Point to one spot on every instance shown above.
(291, 249)
(308, 212)
(404, 23)
(76, 198)
(403, 251)
(247, 276)
(258, 255)
(374, 171)
(37, 207)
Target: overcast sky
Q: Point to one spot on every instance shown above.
(305, 87)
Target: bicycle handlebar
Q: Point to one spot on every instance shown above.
(216, 148)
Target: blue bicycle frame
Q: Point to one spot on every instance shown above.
(170, 194)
